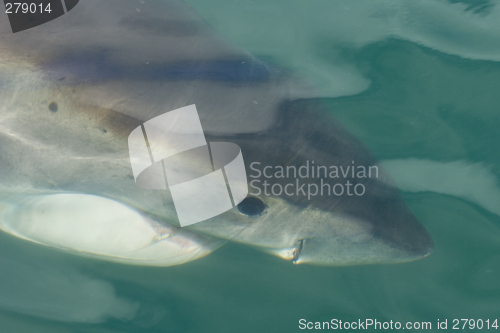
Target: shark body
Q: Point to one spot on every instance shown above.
(73, 89)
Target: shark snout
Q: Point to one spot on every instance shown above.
(383, 233)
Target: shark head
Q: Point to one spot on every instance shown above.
(74, 89)
(318, 196)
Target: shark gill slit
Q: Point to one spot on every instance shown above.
(228, 187)
(212, 159)
(223, 174)
(151, 155)
(147, 143)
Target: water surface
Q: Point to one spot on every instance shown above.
(418, 84)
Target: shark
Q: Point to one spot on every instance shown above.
(73, 89)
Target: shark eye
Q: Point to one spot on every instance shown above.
(251, 206)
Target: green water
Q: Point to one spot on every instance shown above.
(410, 102)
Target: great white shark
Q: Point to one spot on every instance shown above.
(73, 89)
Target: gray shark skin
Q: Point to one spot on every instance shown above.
(73, 89)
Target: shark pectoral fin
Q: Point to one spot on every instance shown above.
(103, 228)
